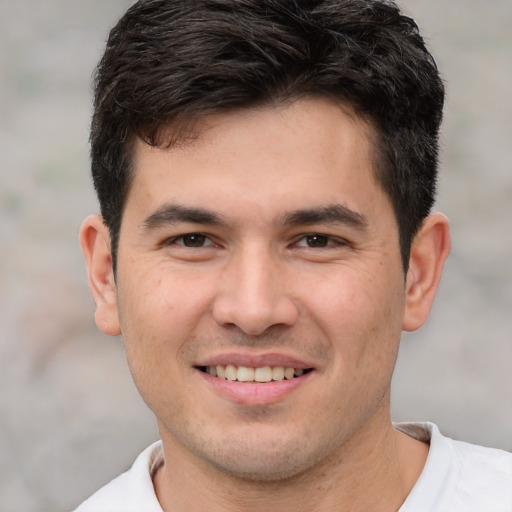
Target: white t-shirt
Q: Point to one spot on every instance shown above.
(457, 477)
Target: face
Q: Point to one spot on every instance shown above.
(263, 251)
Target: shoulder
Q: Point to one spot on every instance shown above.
(130, 492)
(482, 470)
(459, 476)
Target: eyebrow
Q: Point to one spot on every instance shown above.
(169, 214)
(175, 213)
(330, 214)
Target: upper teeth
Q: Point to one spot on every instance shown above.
(245, 374)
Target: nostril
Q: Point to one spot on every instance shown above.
(253, 306)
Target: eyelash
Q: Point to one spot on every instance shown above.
(322, 240)
(204, 238)
(330, 241)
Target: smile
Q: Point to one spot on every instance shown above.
(246, 374)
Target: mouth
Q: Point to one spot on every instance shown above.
(261, 374)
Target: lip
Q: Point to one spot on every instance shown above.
(256, 360)
(252, 393)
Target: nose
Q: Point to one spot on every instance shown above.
(253, 294)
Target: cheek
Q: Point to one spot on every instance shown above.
(357, 292)
(160, 312)
(161, 302)
(360, 312)
(153, 330)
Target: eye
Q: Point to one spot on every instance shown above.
(191, 240)
(318, 240)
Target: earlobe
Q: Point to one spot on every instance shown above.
(429, 251)
(95, 242)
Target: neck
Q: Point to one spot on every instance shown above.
(375, 471)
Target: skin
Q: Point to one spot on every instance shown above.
(262, 280)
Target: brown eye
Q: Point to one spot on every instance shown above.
(320, 241)
(193, 240)
(317, 240)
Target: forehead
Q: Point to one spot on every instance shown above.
(310, 150)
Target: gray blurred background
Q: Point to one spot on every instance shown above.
(70, 418)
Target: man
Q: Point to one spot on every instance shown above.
(266, 172)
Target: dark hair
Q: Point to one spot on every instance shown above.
(171, 62)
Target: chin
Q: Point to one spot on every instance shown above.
(263, 462)
(263, 471)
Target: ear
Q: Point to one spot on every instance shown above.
(429, 251)
(95, 242)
